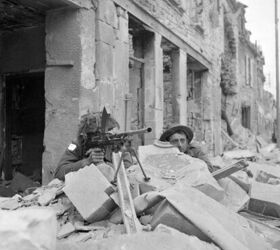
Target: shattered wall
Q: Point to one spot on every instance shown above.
(241, 79)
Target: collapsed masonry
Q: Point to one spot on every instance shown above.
(181, 206)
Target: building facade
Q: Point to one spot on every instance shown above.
(150, 63)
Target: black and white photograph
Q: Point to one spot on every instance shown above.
(139, 125)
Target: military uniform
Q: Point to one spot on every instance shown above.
(196, 151)
(73, 159)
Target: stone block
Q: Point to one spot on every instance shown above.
(89, 192)
(106, 11)
(105, 33)
(122, 31)
(104, 60)
(28, 229)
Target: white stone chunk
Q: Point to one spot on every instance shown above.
(28, 229)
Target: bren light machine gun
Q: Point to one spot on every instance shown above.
(122, 143)
(119, 141)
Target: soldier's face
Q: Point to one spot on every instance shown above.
(180, 141)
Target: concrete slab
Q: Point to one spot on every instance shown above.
(89, 192)
(225, 228)
(166, 166)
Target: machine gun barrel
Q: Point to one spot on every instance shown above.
(134, 132)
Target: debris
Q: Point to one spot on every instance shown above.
(66, 230)
(139, 241)
(32, 229)
(20, 183)
(240, 154)
(168, 215)
(265, 188)
(195, 242)
(11, 203)
(267, 149)
(47, 196)
(89, 192)
(263, 226)
(235, 197)
(224, 172)
(225, 228)
(166, 169)
(261, 142)
(146, 219)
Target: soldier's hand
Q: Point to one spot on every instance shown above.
(95, 155)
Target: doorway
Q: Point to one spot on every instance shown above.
(24, 125)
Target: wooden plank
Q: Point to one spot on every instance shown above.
(225, 172)
(145, 17)
(132, 225)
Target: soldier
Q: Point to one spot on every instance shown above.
(78, 156)
(181, 137)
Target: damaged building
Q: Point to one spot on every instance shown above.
(150, 63)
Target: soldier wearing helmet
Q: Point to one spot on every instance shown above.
(181, 137)
(77, 156)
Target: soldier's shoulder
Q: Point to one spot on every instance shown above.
(73, 146)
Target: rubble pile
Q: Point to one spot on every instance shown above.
(182, 206)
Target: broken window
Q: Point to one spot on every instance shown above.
(246, 117)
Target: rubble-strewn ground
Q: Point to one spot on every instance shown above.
(181, 207)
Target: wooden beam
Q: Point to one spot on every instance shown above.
(145, 17)
(225, 172)
(131, 223)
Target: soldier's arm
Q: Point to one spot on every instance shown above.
(70, 162)
(199, 153)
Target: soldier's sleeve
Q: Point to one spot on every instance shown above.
(70, 161)
(199, 153)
